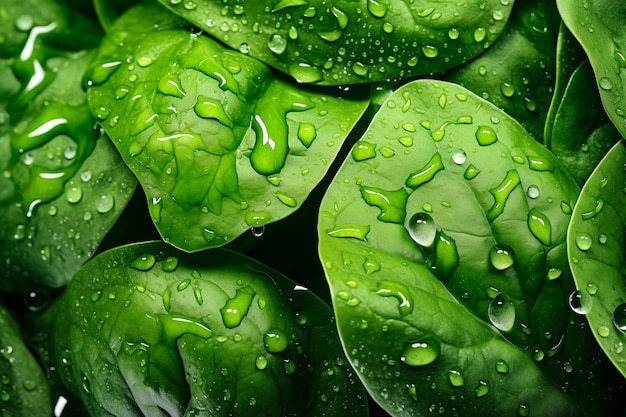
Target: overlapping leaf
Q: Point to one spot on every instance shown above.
(218, 143)
(346, 42)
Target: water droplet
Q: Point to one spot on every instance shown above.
(349, 231)
(486, 135)
(605, 83)
(286, 199)
(236, 308)
(619, 317)
(502, 367)
(420, 353)
(430, 51)
(74, 194)
(540, 226)
(260, 362)
(275, 341)
(426, 173)
(501, 312)
(594, 211)
(507, 89)
(256, 218)
(501, 257)
(305, 73)
(277, 43)
(532, 191)
(306, 134)
(604, 331)
(257, 231)
(144, 61)
(398, 291)
(371, 265)
(105, 203)
(502, 192)
(479, 34)
(144, 262)
(482, 389)
(422, 229)
(554, 273)
(471, 172)
(523, 410)
(363, 150)
(377, 8)
(459, 157)
(584, 241)
(360, 69)
(453, 33)
(578, 302)
(456, 378)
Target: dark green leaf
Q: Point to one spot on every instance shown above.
(520, 83)
(24, 390)
(444, 179)
(62, 186)
(218, 144)
(596, 248)
(147, 330)
(599, 27)
(346, 42)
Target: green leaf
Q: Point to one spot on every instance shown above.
(486, 209)
(349, 42)
(599, 27)
(521, 83)
(63, 183)
(147, 330)
(596, 245)
(218, 144)
(24, 390)
(581, 133)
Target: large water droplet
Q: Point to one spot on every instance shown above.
(105, 203)
(485, 135)
(398, 291)
(584, 241)
(144, 262)
(420, 353)
(501, 257)
(578, 302)
(275, 341)
(619, 317)
(277, 43)
(236, 308)
(422, 229)
(540, 226)
(456, 378)
(501, 312)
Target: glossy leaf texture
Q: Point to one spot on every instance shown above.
(63, 184)
(596, 244)
(218, 143)
(147, 330)
(348, 42)
(522, 83)
(24, 390)
(599, 27)
(581, 132)
(443, 182)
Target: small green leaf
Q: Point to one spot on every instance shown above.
(216, 333)
(350, 42)
(598, 26)
(596, 252)
(218, 143)
(24, 390)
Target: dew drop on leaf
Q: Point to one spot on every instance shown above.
(275, 341)
(144, 262)
(501, 257)
(456, 377)
(578, 302)
(420, 353)
(584, 241)
(422, 229)
(619, 317)
(501, 313)
(482, 389)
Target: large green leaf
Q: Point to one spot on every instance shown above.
(443, 180)
(63, 183)
(147, 330)
(599, 27)
(596, 248)
(24, 390)
(218, 143)
(521, 83)
(346, 42)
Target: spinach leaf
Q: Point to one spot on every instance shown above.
(599, 27)
(521, 83)
(349, 42)
(63, 185)
(581, 133)
(596, 244)
(24, 390)
(147, 330)
(444, 179)
(218, 144)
